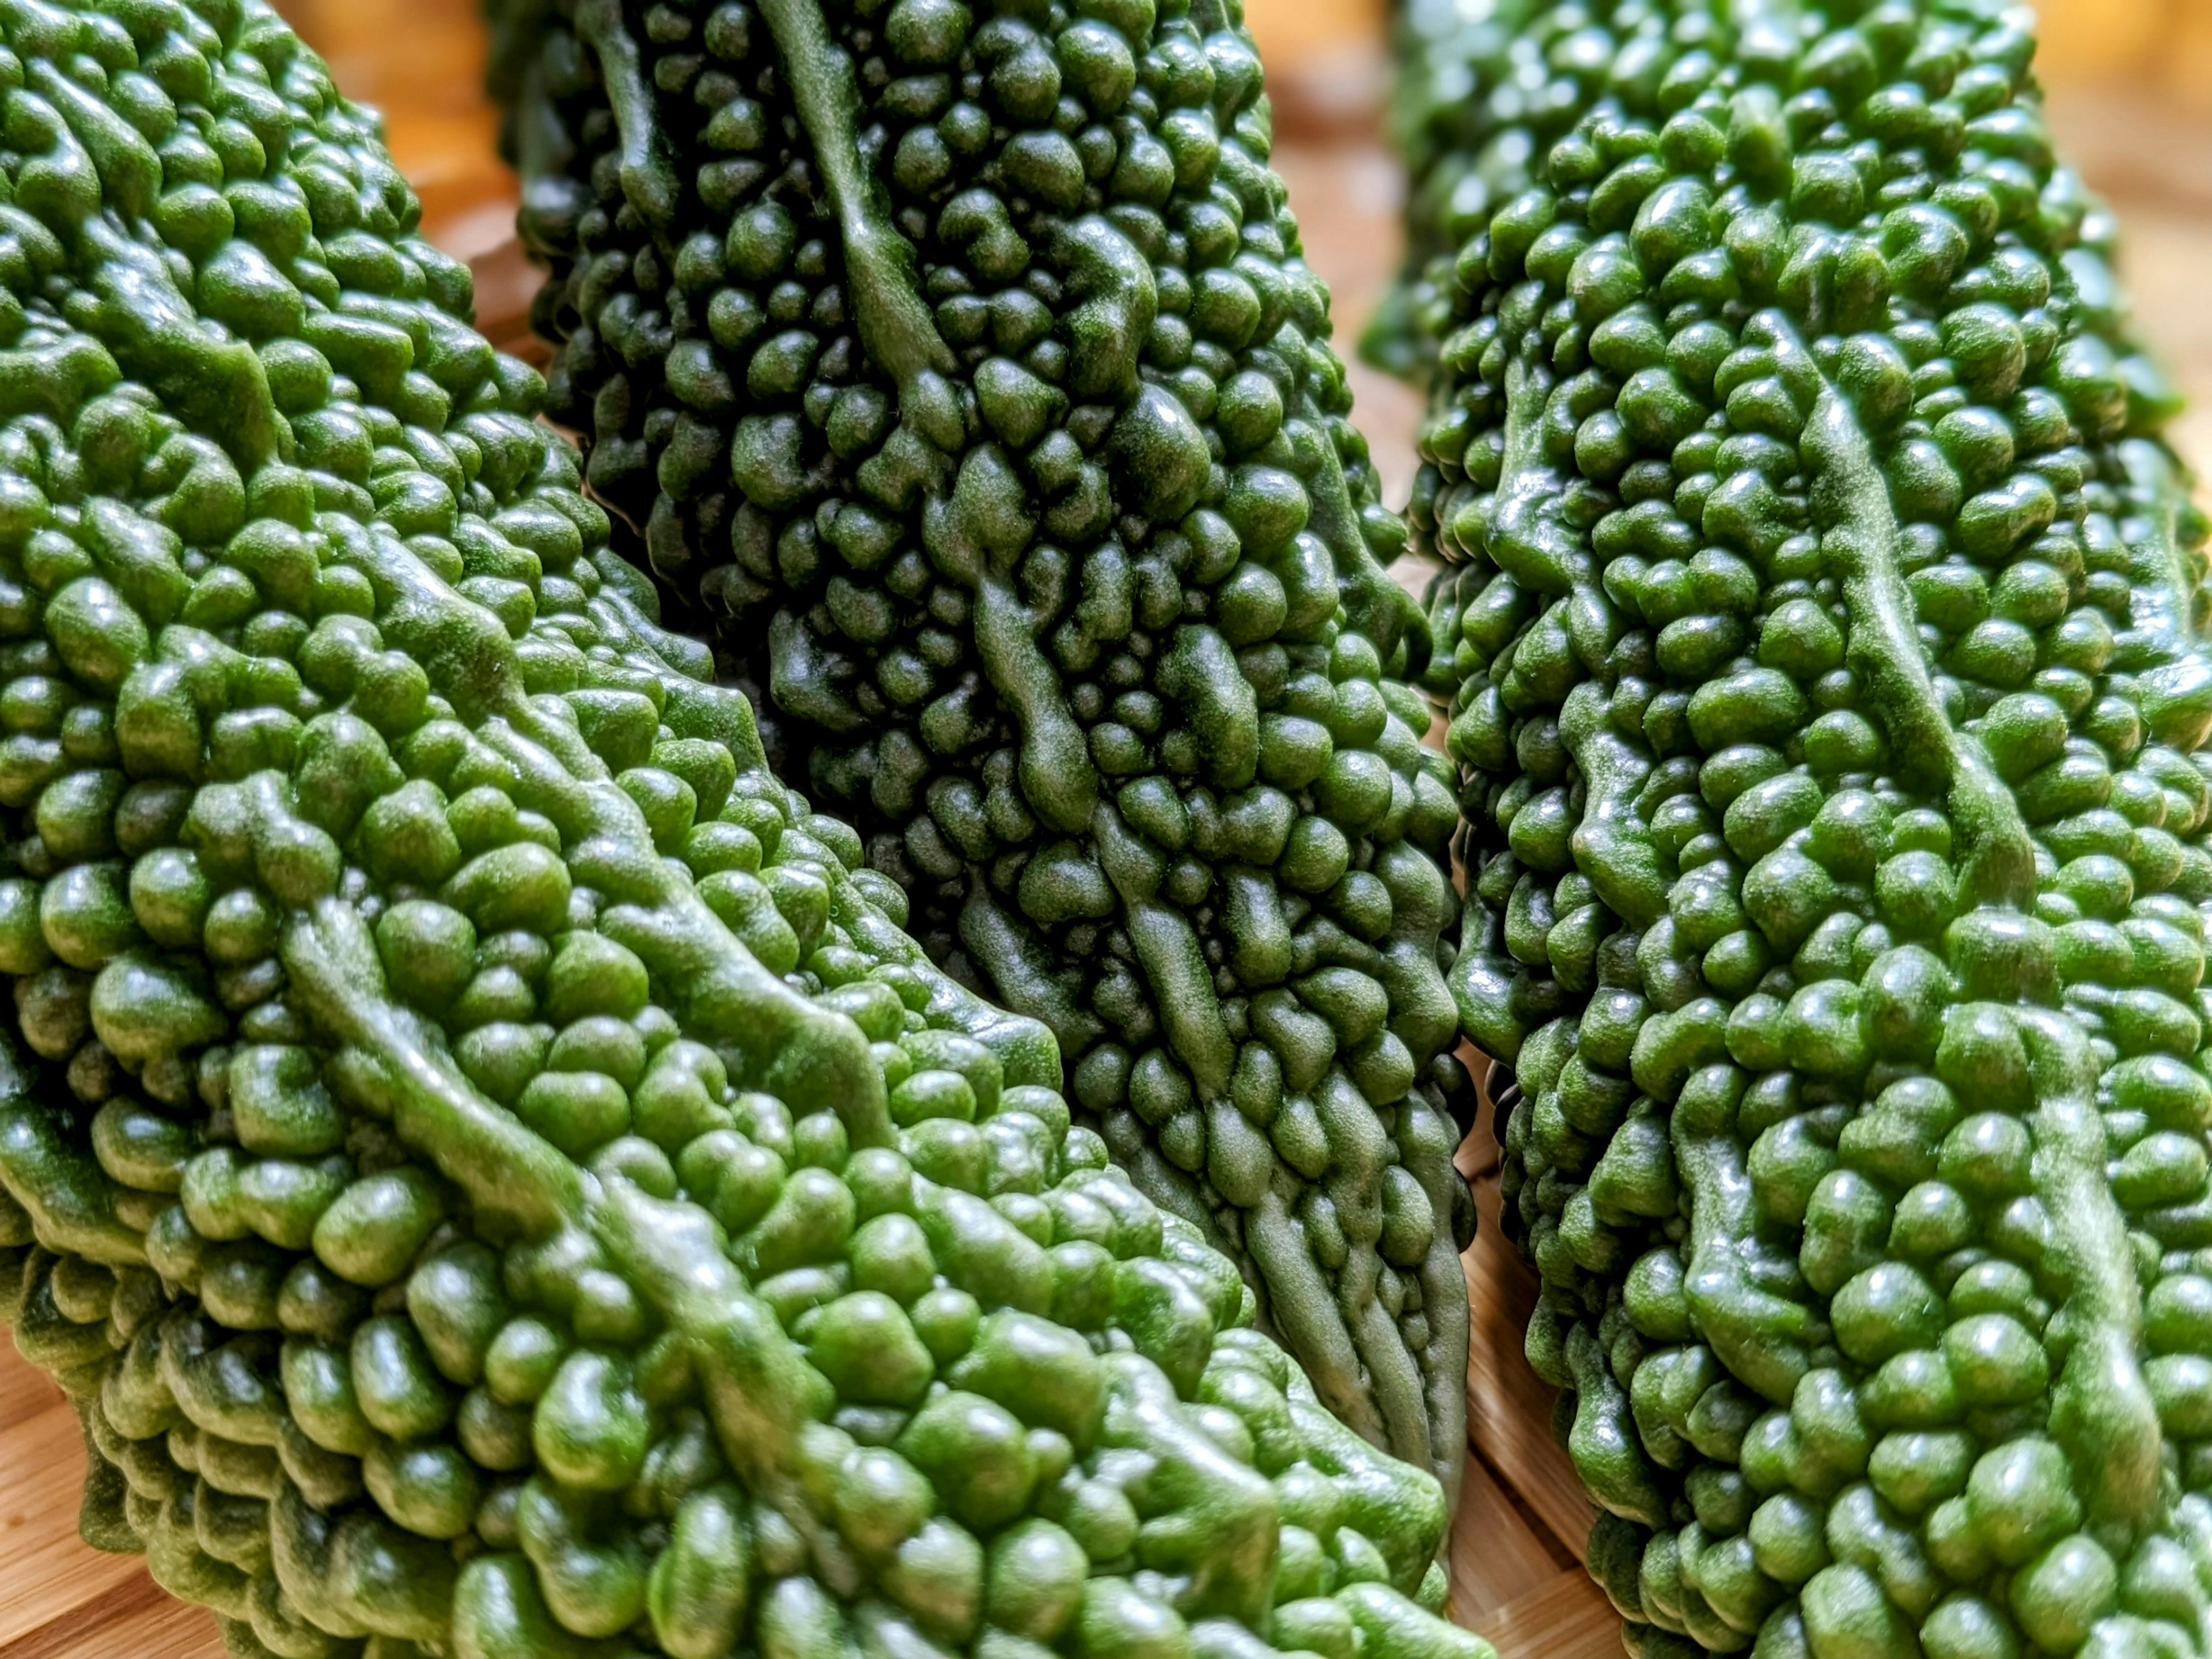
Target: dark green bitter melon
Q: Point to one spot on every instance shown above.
(482, 1158)
(1478, 93)
(1822, 629)
(962, 367)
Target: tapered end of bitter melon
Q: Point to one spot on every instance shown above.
(974, 386)
(1822, 632)
(1476, 92)
(485, 1162)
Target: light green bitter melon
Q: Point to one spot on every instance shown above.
(1822, 627)
(962, 368)
(480, 1154)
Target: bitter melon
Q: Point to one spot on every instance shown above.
(485, 1163)
(1822, 633)
(962, 367)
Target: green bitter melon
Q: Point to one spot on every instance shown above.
(1821, 629)
(963, 368)
(484, 1162)
(1478, 93)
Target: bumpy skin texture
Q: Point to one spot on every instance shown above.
(965, 370)
(1820, 630)
(490, 1170)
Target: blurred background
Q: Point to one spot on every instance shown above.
(2129, 86)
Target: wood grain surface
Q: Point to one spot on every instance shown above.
(1517, 1540)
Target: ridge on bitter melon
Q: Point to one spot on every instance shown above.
(483, 1159)
(1822, 633)
(962, 367)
